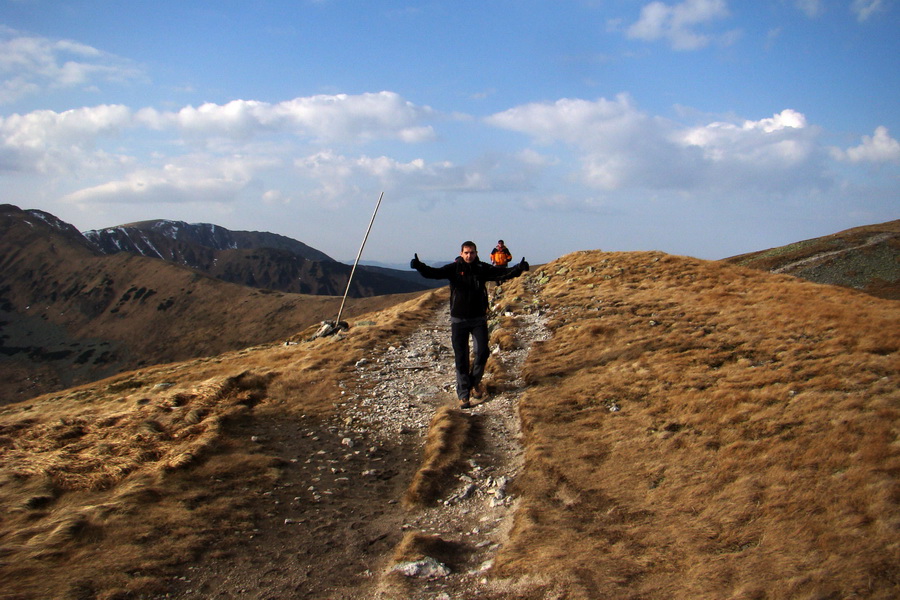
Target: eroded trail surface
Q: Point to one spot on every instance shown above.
(328, 527)
(799, 264)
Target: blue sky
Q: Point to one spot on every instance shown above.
(700, 127)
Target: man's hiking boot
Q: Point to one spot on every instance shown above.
(464, 403)
(478, 391)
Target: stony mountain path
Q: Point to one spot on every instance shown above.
(798, 264)
(478, 512)
(327, 528)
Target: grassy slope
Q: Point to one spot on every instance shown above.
(753, 453)
(696, 431)
(864, 258)
(109, 488)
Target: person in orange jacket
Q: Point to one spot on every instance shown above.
(500, 255)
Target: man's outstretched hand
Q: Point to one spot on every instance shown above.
(524, 265)
(415, 263)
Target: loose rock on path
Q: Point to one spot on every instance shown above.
(328, 527)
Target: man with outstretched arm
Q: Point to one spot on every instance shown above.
(468, 312)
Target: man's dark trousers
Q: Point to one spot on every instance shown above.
(460, 330)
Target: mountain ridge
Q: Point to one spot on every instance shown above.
(71, 314)
(688, 429)
(208, 235)
(257, 259)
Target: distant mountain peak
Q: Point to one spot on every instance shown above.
(207, 235)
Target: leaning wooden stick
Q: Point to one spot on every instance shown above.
(327, 327)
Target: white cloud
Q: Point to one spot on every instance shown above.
(45, 127)
(46, 141)
(417, 176)
(775, 154)
(29, 64)
(574, 121)
(602, 131)
(275, 197)
(678, 23)
(599, 149)
(880, 148)
(620, 147)
(326, 118)
(863, 9)
(194, 179)
(49, 142)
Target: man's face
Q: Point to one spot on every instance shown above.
(469, 254)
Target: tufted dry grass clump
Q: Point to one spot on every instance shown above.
(109, 488)
(449, 434)
(503, 335)
(416, 546)
(111, 479)
(695, 430)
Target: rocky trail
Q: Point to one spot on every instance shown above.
(330, 524)
(798, 264)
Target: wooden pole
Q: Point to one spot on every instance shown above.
(337, 322)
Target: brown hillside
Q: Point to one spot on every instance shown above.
(690, 429)
(71, 315)
(701, 431)
(864, 258)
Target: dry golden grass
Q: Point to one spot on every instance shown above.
(111, 490)
(503, 336)
(106, 488)
(694, 431)
(90, 317)
(449, 434)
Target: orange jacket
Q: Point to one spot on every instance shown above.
(500, 256)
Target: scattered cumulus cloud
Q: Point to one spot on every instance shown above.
(30, 64)
(678, 23)
(416, 176)
(43, 128)
(29, 141)
(51, 142)
(192, 179)
(593, 148)
(275, 197)
(619, 146)
(862, 9)
(326, 118)
(879, 148)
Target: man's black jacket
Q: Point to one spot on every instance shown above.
(468, 294)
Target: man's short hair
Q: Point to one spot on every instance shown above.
(468, 244)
